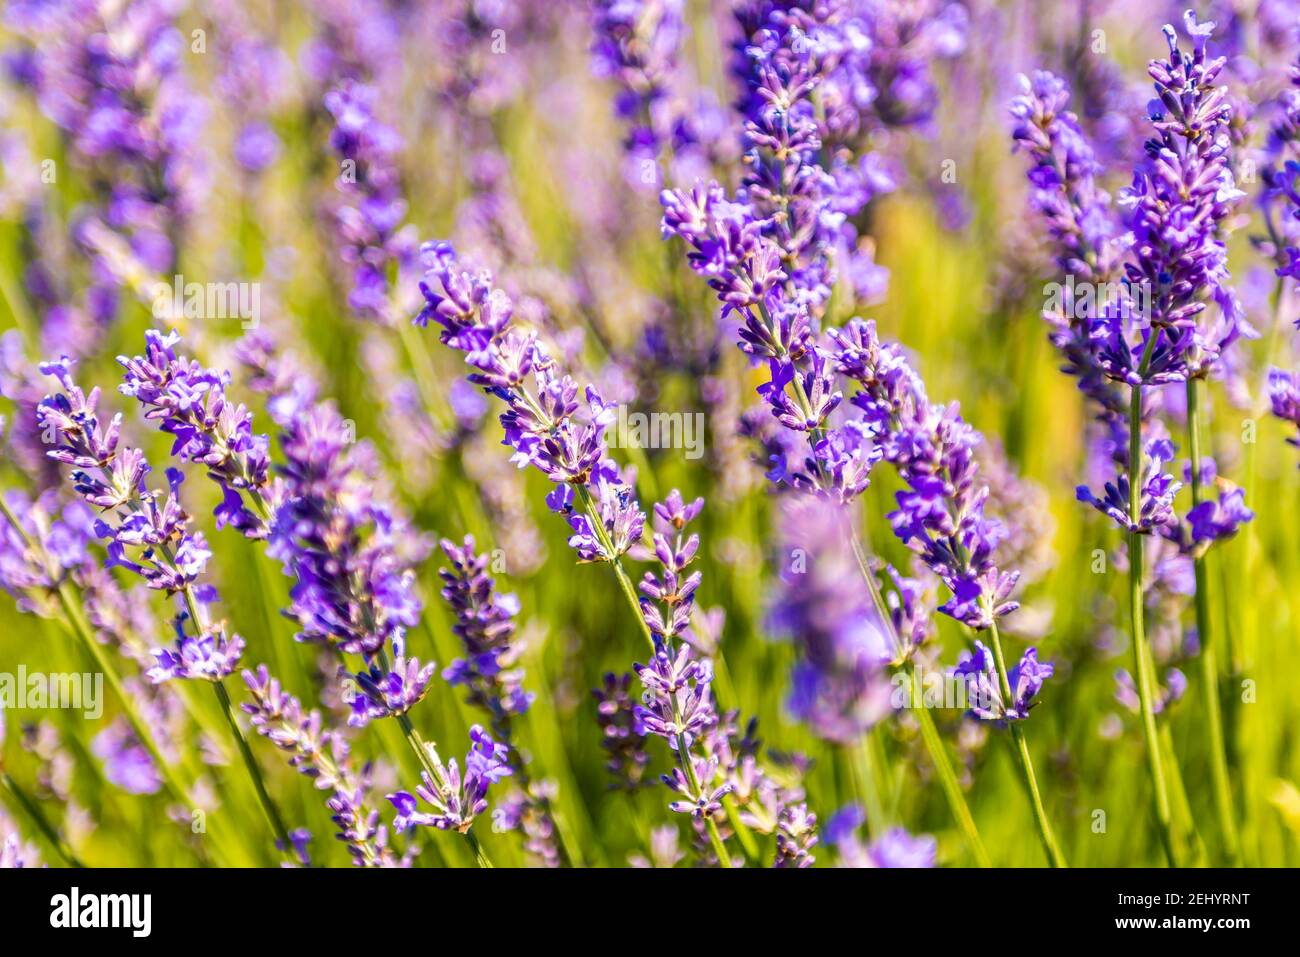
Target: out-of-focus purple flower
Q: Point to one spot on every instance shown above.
(486, 627)
(455, 801)
(351, 553)
(623, 733)
(49, 549)
(895, 848)
(126, 762)
(840, 684)
(14, 852)
(112, 77)
(1126, 692)
(257, 146)
(636, 43)
(664, 849)
(1284, 396)
(372, 237)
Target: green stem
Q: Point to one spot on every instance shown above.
(254, 773)
(1208, 665)
(624, 582)
(929, 732)
(1054, 856)
(684, 758)
(38, 818)
(1141, 654)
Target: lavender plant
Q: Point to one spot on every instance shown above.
(1174, 253)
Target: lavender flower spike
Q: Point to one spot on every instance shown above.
(456, 801)
(323, 756)
(189, 402)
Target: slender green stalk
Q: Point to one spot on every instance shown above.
(1054, 856)
(948, 782)
(1142, 671)
(929, 732)
(254, 773)
(870, 786)
(715, 838)
(33, 810)
(201, 625)
(1208, 666)
(624, 582)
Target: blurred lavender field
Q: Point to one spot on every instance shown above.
(666, 433)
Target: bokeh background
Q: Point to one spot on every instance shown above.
(510, 145)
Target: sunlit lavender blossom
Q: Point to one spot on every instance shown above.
(1156, 495)
(456, 801)
(190, 403)
(839, 684)
(547, 425)
(941, 514)
(796, 835)
(380, 693)
(984, 693)
(372, 237)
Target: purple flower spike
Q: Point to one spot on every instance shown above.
(456, 801)
(210, 657)
(380, 694)
(189, 402)
(703, 801)
(546, 423)
(322, 755)
(1157, 494)
(485, 624)
(678, 701)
